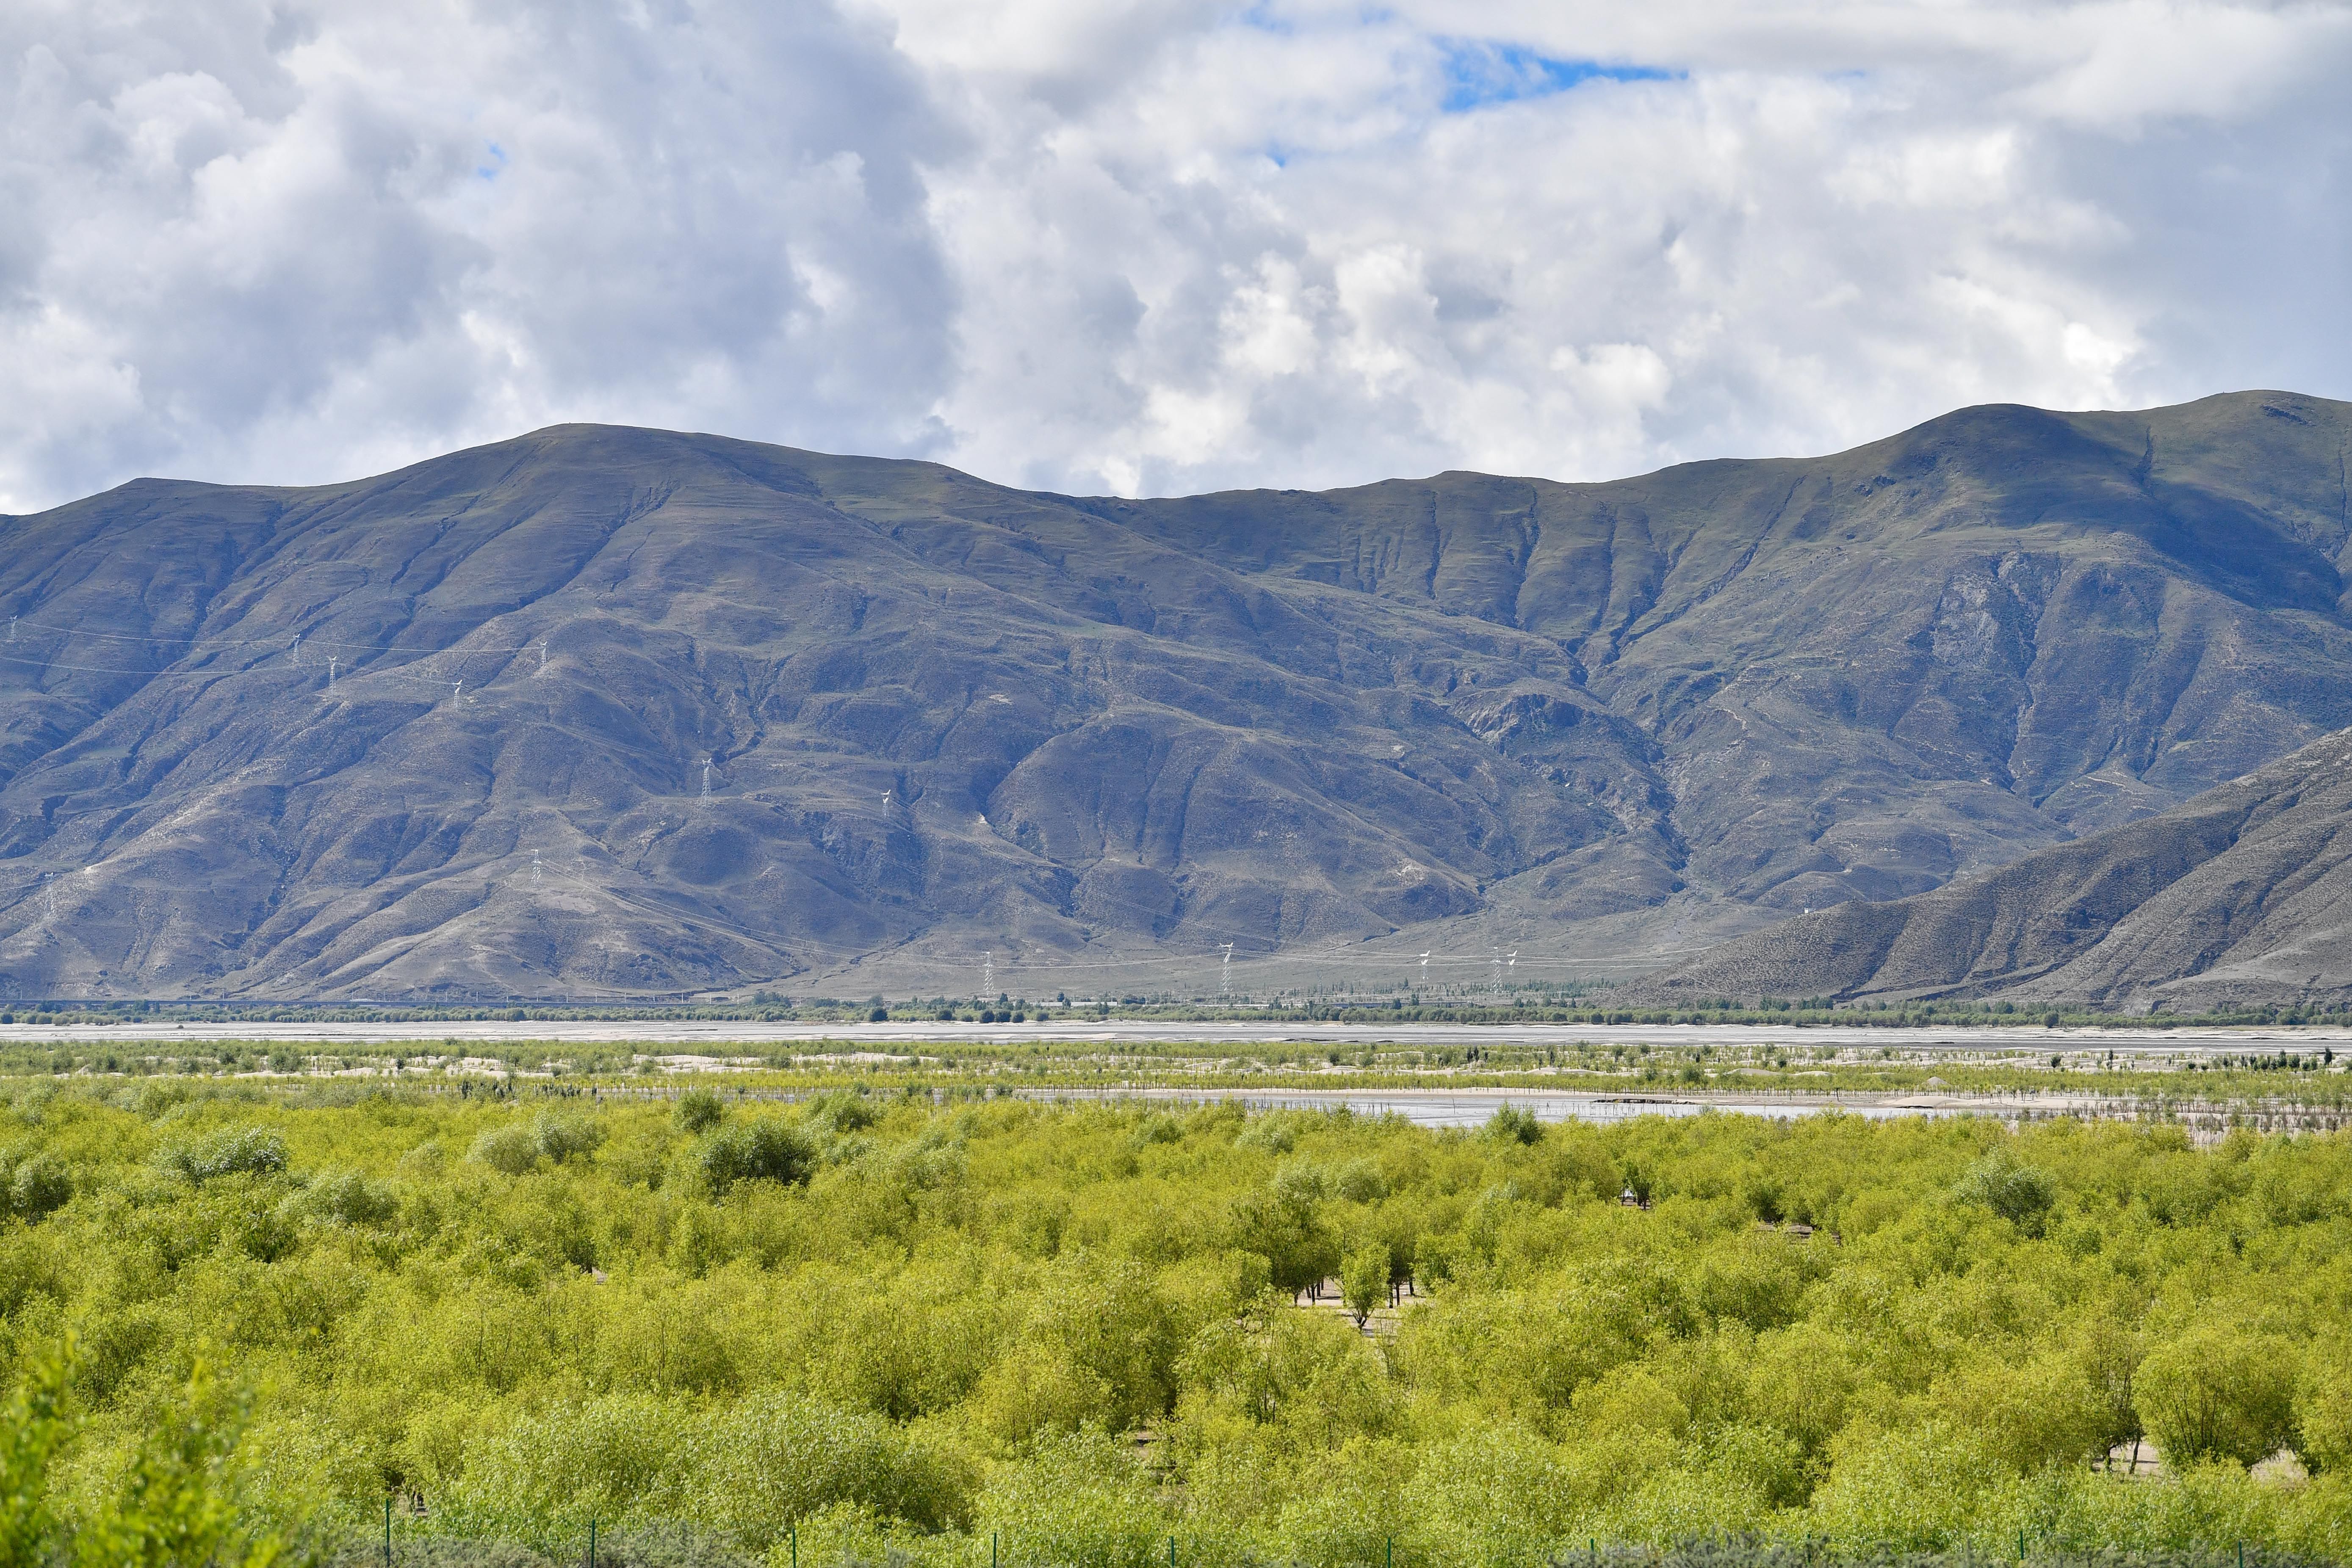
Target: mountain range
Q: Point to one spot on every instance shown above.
(604, 711)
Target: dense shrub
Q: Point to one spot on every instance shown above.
(35, 1185)
(247, 1151)
(1515, 1125)
(511, 1150)
(350, 1198)
(560, 1136)
(2011, 1188)
(2218, 1392)
(761, 1150)
(838, 1113)
(698, 1110)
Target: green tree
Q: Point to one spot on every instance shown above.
(1515, 1125)
(1914, 1489)
(39, 1186)
(1361, 1182)
(1096, 1351)
(1638, 1178)
(31, 1429)
(2323, 1406)
(2012, 1189)
(761, 1150)
(698, 1110)
(234, 1150)
(2217, 1393)
(1364, 1279)
(511, 1151)
(180, 1501)
(2027, 1413)
(563, 1137)
(1076, 1501)
(1285, 1228)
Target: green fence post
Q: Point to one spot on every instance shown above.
(796, 1546)
(591, 1543)
(387, 1530)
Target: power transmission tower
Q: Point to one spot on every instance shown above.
(1228, 992)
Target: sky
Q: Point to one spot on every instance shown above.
(1147, 247)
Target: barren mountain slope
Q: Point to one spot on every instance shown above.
(617, 711)
(2244, 895)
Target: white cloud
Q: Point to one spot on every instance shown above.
(1157, 245)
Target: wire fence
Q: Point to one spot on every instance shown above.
(681, 1545)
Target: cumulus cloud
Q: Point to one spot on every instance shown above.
(1156, 246)
(258, 241)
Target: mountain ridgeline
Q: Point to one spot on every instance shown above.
(609, 712)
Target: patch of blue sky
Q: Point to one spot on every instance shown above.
(497, 166)
(1261, 17)
(1480, 74)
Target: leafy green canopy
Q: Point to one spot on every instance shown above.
(858, 1327)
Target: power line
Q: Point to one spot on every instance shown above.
(250, 642)
(212, 672)
(207, 674)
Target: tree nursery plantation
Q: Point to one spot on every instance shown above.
(940, 1328)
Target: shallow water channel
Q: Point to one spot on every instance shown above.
(1473, 1108)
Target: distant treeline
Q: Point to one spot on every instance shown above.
(1592, 1009)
